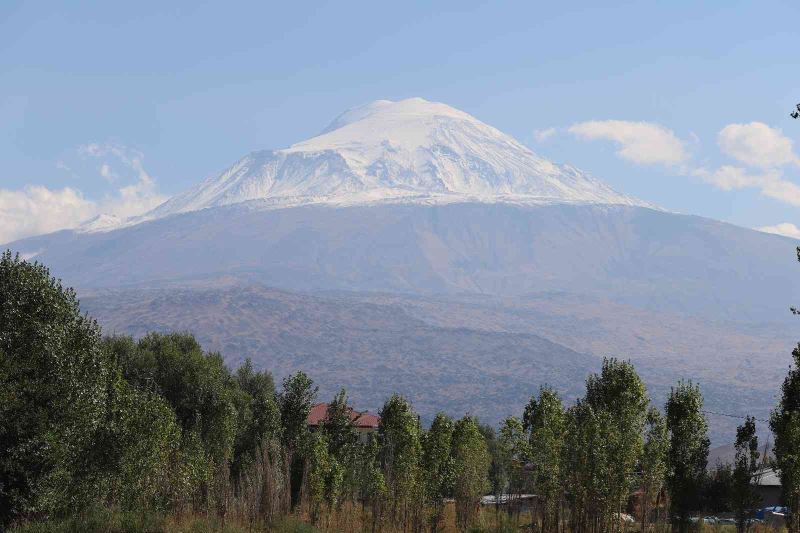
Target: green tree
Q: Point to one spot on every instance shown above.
(513, 453)
(294, 402)
(197, 385)
(785, 425)
(372, 484)
(437, 466)
(318, 474)
(342, 439)
(717, 488)
(744, 497)
(55, 385)
(619, 396)
(141, 439)
(587, 461)
(654, 462)
(471, 470)
(545, 421)
(400, 456)
(688, 451)
(498, 469)
(259, 416)
(338, 428)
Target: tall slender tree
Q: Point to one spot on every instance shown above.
(688, 452)
(295, 401)
(400, 455)
(785, 425)
(438, 467)
(654, 463)
(544, 419)
(342, 439)
(513, 453)
(471, 471)
(619, 396)
(745, 471)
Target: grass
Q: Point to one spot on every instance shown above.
(104, 520)
(101, 520)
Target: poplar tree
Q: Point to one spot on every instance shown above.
(342, 439)
(654, 462)
(544, 419)
(400, 455)
(619, 397)
(513, 453)
(437, 466)
(587, 462)
(295, 401)
(785, 425)
(688, 451)
(372, 484)
(318, 473)
(471, 471)
(745, 472)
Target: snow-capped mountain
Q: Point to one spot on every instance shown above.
(465, 253)
(411, 151)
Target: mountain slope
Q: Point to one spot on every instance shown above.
(376, 349)
(631, 255)
(373, 350)
(411, 151)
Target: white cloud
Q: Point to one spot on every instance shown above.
(35, 209)
(640, 142)
(757, 145)
(770, 183)
(543, 135)
(786, 229)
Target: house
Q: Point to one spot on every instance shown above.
(769, 487)
(364, 422)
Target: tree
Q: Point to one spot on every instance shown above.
(55, 385)
(619, 396)
(513, 453)
(197, 385)
(294, 402)
(318, 474)
(259, 416)
(342, 439)
(587, 461)
(141, 440)
(544, 419)
(688, 451)
(338, 428)
(654, 462)
(437, 466)
(471, 470)
(400, 455)
(372, 484)
(785, 425)
(745, 470)
(717, 488)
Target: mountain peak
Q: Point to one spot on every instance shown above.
(411, 150)
(409, 109)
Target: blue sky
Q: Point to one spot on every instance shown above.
(109, 106)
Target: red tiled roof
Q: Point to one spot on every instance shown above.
(365, 419)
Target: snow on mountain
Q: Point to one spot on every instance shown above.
(101, 222)
(411, 151)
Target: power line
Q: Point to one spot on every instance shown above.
(733, 416)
